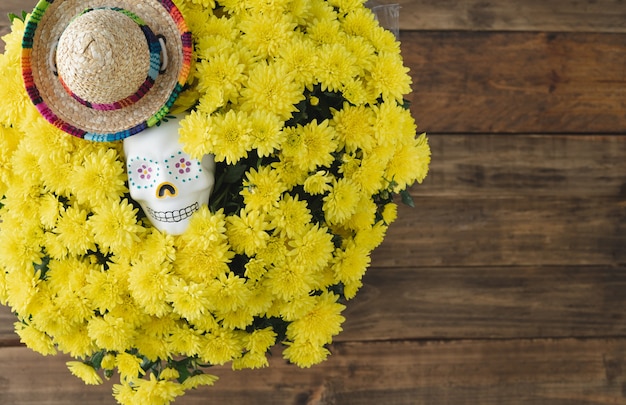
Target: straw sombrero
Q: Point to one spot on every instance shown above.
(104, 70)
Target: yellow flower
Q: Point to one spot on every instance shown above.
(194, 134)
(220, 347)
(311, 145)
(114, 226)
(266, 132)
(389, 77)
(271, 88)
(183, 340)
(71, 232)
(221, 72)
(351, 262)
(228, 292)
(354, 127)
(230, 136)
(409, 164)
(318, 183)
(265, 33)
(291, 216)
(365, 214)
(156, 392)
(35, 339)
(336, 66)
(103, 289)
(169, 374)
(100, 177)
(85, 372)
(9, 138)
(298, 58)
(359, 23)
(251, 360)
(341, 203)
(197, 380)
(262, 188)
(390, 213)
(190, 300)
(111, 333)
(321, 323)
(149, 283)
(289, 281)
(247, 231)
(312, 249)
(305, 353)
(260, 340)
(129, 366)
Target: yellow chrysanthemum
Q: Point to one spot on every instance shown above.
(194, 131)
(389, 77)
(149, 283)
(198, 380)
(262, 188)
(129, 366)
(305, 353)
(85, 372)
(220, 347)
(35, 339)
(321, 323)
(247, 231)
(222, 72)
(312, 248)
(114, 226)
(271, 88)
(311, 145)
(410, 163)
(230, 136)
(265, 33)
(99, 178)
(266, 132)
(341, 201)
(190, 300)
(354, 126)
(336, 66)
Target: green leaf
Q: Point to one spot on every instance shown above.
(96, 359)
(407, 199)
(13, 16)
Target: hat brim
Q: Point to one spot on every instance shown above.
(44, 28)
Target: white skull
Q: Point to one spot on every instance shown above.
(167, 183)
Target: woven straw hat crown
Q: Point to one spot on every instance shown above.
(93, 59)
(104, 70)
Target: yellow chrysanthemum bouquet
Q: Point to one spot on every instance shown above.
(301, 103)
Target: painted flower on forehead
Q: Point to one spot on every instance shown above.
(286, 123)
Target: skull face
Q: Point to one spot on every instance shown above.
(168, 184)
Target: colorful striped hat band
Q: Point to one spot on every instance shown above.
(104, 70)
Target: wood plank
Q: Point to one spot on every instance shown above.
(506, 231)
(486, 372)
(462, 303)
(477, 166)
(504, 15)
(517, 82)
(513, 15)
(487, 302)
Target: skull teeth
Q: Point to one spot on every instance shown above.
(173, 216)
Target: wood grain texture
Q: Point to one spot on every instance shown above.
(513, 15)
(492, 165)
(488, 302)
(506, 284)
(517, 82)
(555, 372)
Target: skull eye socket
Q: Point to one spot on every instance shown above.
(142, 173)
(183, 168)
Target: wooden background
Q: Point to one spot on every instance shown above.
(507, 283)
